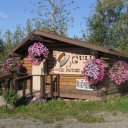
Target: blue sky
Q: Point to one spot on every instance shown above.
(14, 12)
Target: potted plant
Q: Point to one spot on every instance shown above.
(93, 71)
(119, 72)
(37, 53)
(11, 65)
(11, 98)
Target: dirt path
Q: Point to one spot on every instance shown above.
(111, 121)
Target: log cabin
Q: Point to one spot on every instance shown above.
(61, 74)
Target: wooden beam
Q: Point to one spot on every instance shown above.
(79, 43)
(15, 54)
(45, 36)
(53, 45)
(42, 39)
(31, 83)
(24, 89)
(42, 88)
(51, 85)
(58, 85)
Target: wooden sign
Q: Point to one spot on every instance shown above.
(69, 62)
(82, 85)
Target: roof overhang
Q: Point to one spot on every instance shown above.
(52, 40)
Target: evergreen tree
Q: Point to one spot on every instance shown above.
(1, 43)
(29, 27)
(2, 50)
(108, 26)
(18, 35)
(8, 43)
(53, 16)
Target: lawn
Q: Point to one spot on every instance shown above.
(83, 111)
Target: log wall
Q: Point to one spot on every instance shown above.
(27, 65)
(68, 88)
(68, 84)
(28, 69)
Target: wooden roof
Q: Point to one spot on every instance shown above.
(53, 40)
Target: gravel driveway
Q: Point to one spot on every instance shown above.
(111, 121)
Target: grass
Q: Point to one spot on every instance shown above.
(55, 110)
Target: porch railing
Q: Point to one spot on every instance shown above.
(23, 79)
(8, 81)
(54, 85)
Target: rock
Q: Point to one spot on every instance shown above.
(38, 95)
(2, 102)
(66, 100)
(33, 99)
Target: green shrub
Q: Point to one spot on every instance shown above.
(10, 97)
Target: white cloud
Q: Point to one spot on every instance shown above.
(3, 15)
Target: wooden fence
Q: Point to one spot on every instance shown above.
(50, 87)
(53, 83)
(6, 81)
(48, 82)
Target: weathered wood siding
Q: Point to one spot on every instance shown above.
(68, 88)
(105, 89)
(68, 82)
(27, 65)
(117, 90)
(28, 68)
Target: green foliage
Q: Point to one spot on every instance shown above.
(55, 110)
(17, 35)
(2, 48)
(9, 40)
(10, 97)
(119, 104)
(88, 118)
(29, 26)
(7, 46)
(53, 15)
(108, 25)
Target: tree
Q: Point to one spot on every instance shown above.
(8, 43)
(29, 26)
(53, 15)
(108, 26)
(2, 48)
(1, 43)
(18, 35)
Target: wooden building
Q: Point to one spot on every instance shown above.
(65, 60)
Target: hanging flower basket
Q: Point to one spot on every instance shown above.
(93, 71)
(37, 53)
(11, 65)
(119, 72)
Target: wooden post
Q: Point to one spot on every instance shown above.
(51, 85)
(11, 85)
(3, 87)
(15, 86)
(31, 82)
(55, 86)
(24, 89)
(58, 85)
(14, 81)
(42, 88)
